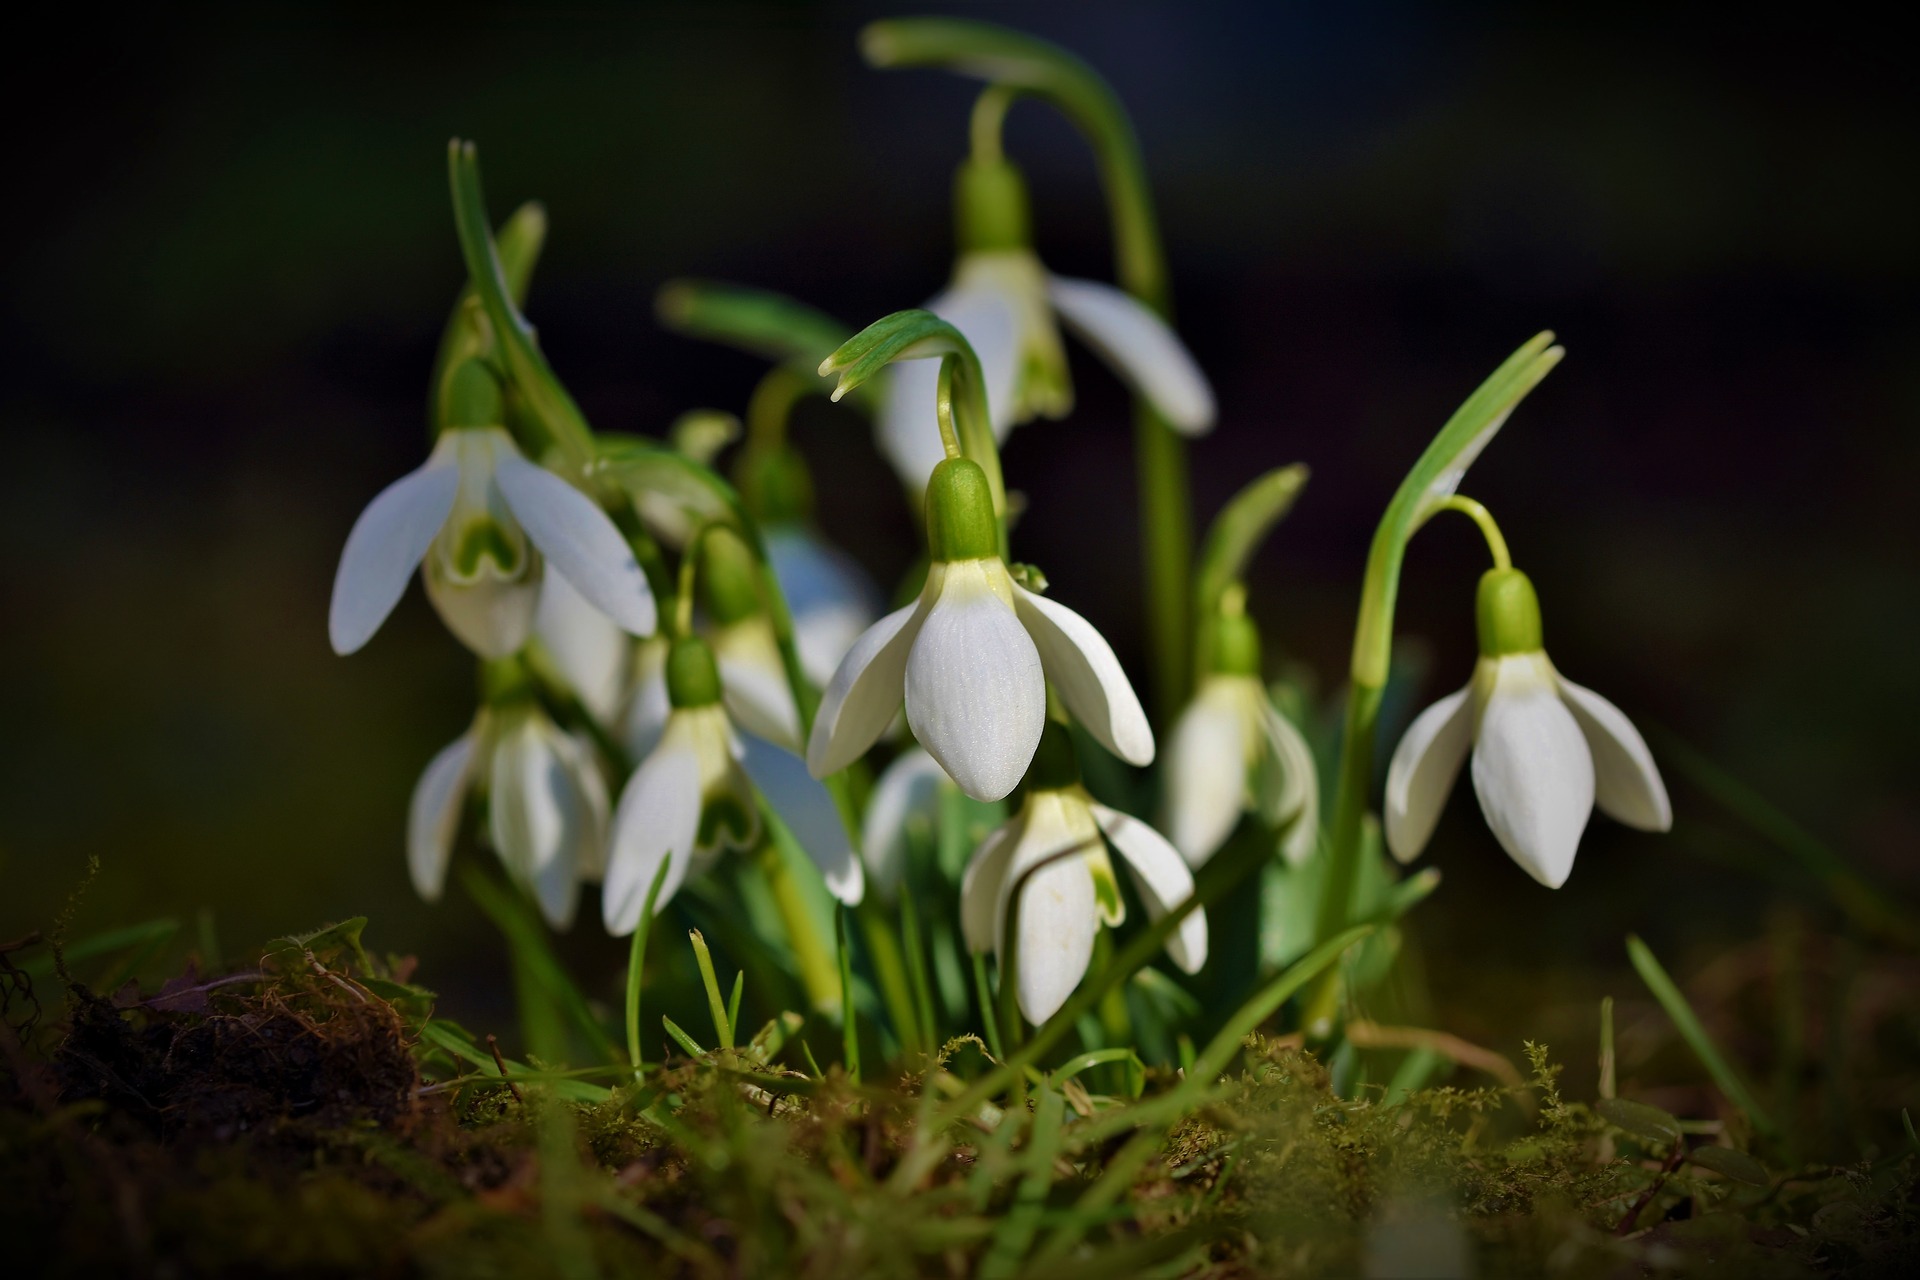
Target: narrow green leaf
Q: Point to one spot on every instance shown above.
(716, 1004)
(849, 1017)
(681, 1038)
(1668, 994)
(1639, 1119)
(1237, 531)
(759, 321)
(527, 938)
(636, 963)
(1728, 1163)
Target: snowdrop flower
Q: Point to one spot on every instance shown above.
(1007, 305)
(546, 807)
(1232, 750)
(1545, 750)
(1048, 867)
(972, 658)
(690, 799)
(753, 676)
(478, 519)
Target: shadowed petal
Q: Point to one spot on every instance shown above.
(864, 693)
(810, 814)
(590, 651)
(433, 816)
(648, 706)
(1089, 678)
(1146, 354)
(909, 789)
(1291, 783)
(657, 821)
(386, 545)
(539, 819)
(1627, 783)
(981, 885)
(976, 695)
(579, 540)
(1424, 766)
(1533, 773)
(909, 424)
(1161, 876)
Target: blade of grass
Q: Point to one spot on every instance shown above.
(983, 998)
(526, 938)
(722, 1027)
(40, 967)
(733, 1001)
(636, 962)
(681, 1038)
(1668, 994)
(849, 1020)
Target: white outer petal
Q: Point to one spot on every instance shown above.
(1207, 771)
(981, 883)
(1424, 766)
(1140, 348)
(433, 816)
(753, 681)
(865, 692)
(657, 820)
(582, 763)
(1627, 783)
(909, 788)
(648, 706)
(590, 651)
(1161, 876)
(909, 424)
(538, 819)
(1090, 680)
(1532, 770)
(976, 694)
(810, 814)
(1057, 923)
(1298, 798)
(578, 539)
(386, 545)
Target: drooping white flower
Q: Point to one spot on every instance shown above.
(753, 679)
(828, 594)
(478, 519)
(971, 658)
(1048, 869)
(1545, 750)
(546, 807)
(690, 799)
(1008, 306)
(1233, 751)
(592, 653)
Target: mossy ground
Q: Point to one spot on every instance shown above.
(307, 1116)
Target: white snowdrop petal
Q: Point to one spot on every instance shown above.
(433, 816)
(1424, 766)
(1140, 347)
(584, 643)
(492, 616)
(1296, 797)
(579, 540)
(385, 546)
(864, 693)
(976, 695)
(648, 706)
(1206, 773)
(595, 808)
(536, 819)
(1627, 784)
(908, 790)
(981, 885)
(990, 322)
(810, 814)
(1534, 776)
(1162, 877)
(1056, 927)
(1090, 680)
(657, 821)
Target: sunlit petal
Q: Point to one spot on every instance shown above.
(1057, 923)
(1141, 349)
(1162, 877)
(1089, 679)
(656, 821)
(1533, 772)
(753, 680)
(384, 548)
(976, 695)
(1424, 766)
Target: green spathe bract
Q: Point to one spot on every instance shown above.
(960, 523)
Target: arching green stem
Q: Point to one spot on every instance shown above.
(1496, 541)
(1012, 61)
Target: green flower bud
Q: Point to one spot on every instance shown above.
(1054, 763)
(1508, 614)
(990, 207)
(1236, 646)
(472, 397)
(960, 520)
(730, 576)
(692, 678)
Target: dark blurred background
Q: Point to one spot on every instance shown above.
(228, 256)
